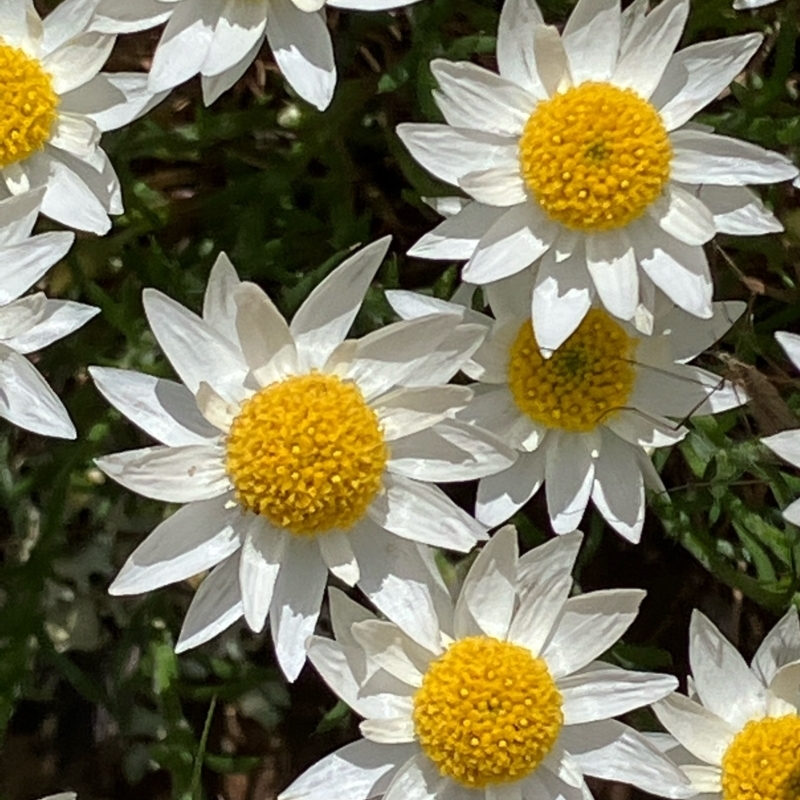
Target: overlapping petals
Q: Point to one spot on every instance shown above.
(240, 345)
(377, 667)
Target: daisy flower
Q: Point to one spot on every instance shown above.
(585, 418)
(220, 38)
(786, 444)
(580, 164)
(31, 323)
(497, 697)
(56, 103)
(296, 452)
(740, 730)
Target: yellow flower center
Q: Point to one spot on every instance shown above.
(27, 105)
(488, 712)
(763, 761)
(307, 453)
(595, 157)
(586, 380)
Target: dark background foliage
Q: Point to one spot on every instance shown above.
(92, 697)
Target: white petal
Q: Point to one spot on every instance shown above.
(388, 648)
(197, 537)
(689, 336)
(214, 86)
(704, 778)
(494, 410)
(196, 351)
(216, 606)
(18, 215)
(781, 646)
(520, 237)
(561, 299)
(591, 39)
(698, 74)
(501, 496)
(360, 770)
(682, 215)
(738, 210)
(301, 46)
(488, 595)
(618, 490)
(261, 328)
(605, 691)
(702, 733)
(184, 44)
(407, 411)
(553, 557)
(700, 157)
(449, 451)
(27, 400)
(259, 565)
(219, 305)
(569, 474)
(26, 262)
(649, 50)
(496, 186)
(239, 29)
(418, 779)
(164, 409)
(295, 603)
(615, 752)
(541, 606)
(174, 474)
(401, 579)
(59, 319)
(423, 513)
(384, 358)
(450, 153)
(589, 625)
(337, 553)
(323, 321)
(786, 444)
(458, 236)
(77, 61)
(724, 683)
(678, 269)
(611, 261)
(643, 429)
(470, 96)
(514, 48)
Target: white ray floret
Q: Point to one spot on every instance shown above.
(56, 105)
(31, 323)
(582, 166)
(297, 452)
(220, 38)
(786, 444)
(585, 418)
(739, 730)
(496, 696)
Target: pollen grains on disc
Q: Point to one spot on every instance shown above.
(586, 380)
(488, 712)
(307, 453)
(28, 105)
(763, 761)
(595, 157)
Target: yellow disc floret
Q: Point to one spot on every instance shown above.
(488, 712)
(763, 761)
(27, 105)
(586, 380)
(595, 157)
(307, 453)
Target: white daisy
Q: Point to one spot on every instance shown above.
(56, 103)
(740, 731)
(499, 697)
(581, 164)
(31, 323)
(220, 38)
(585, 417)
(786, 444)
(296, 452)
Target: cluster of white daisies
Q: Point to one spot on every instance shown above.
(586, 197)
